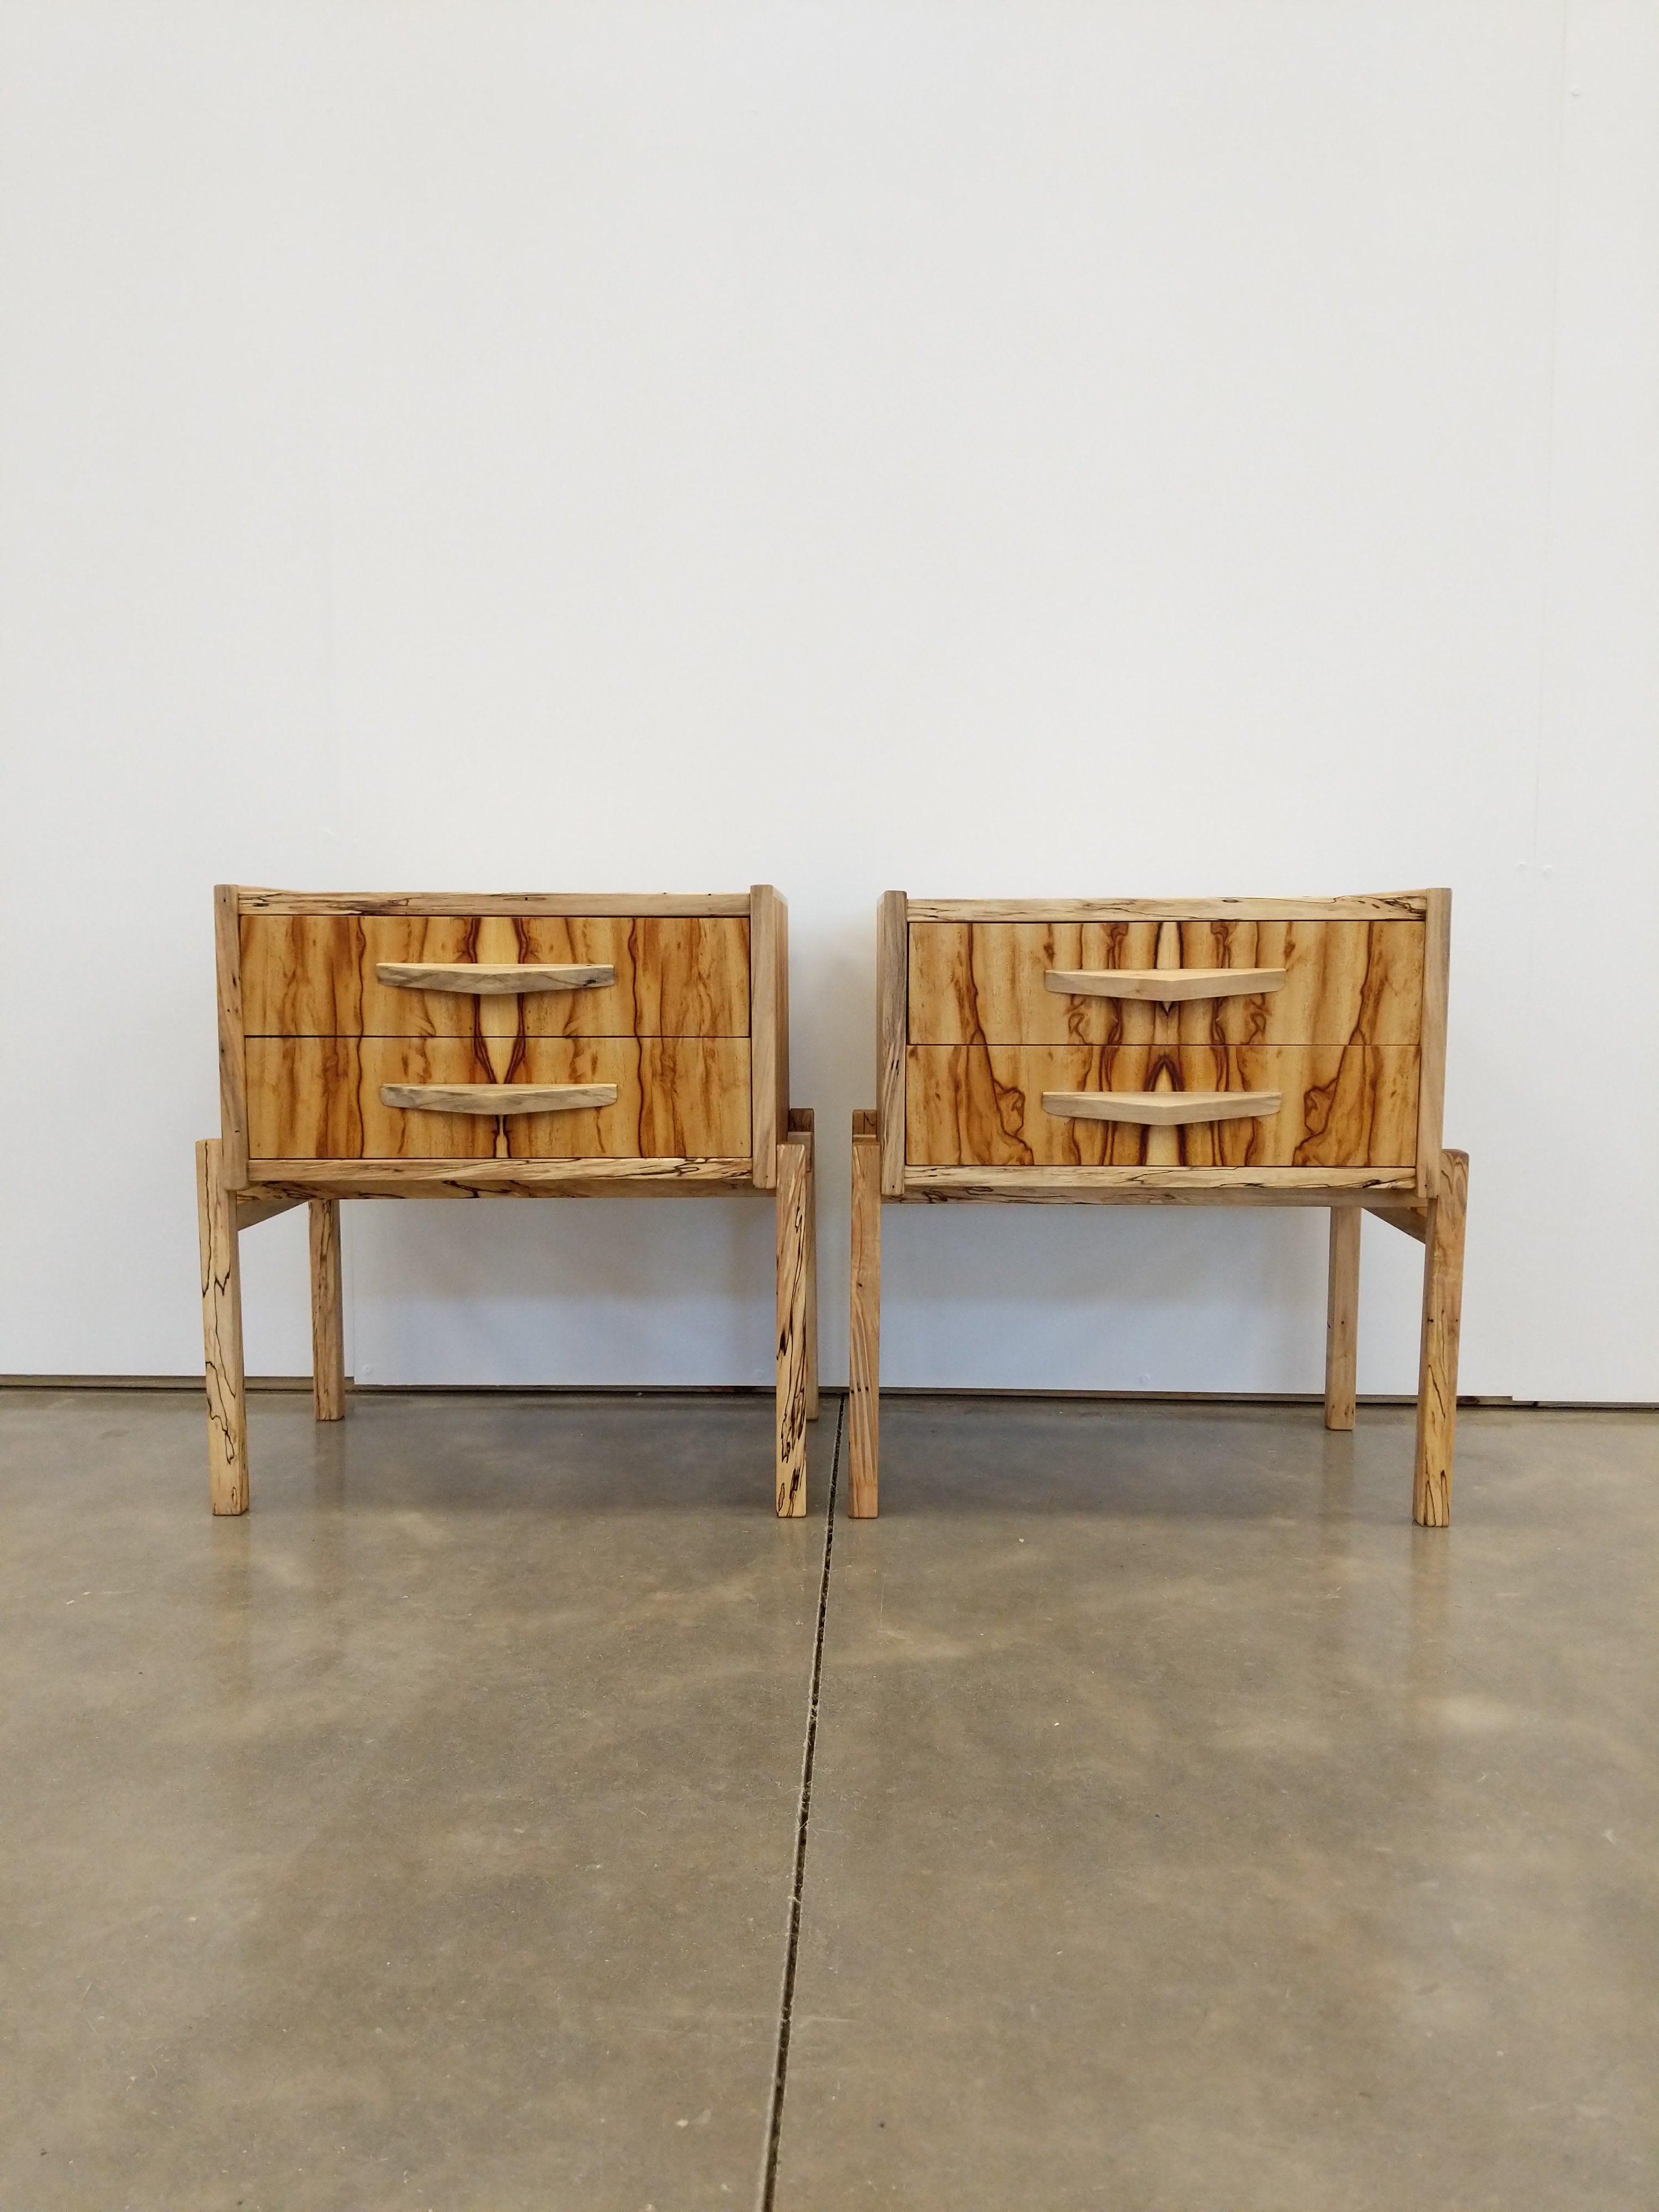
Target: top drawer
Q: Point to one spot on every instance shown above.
(316, 975)
(1344, 982)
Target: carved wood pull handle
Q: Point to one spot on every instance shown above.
(481, 978)
(1162, 1110)
(495, 1098)
(1165, 985)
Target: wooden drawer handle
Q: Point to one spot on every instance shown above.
(1162, 1110)
(1165, 985)
(496, 1098)
(481, 978)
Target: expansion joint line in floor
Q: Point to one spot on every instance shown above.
(769, 2181)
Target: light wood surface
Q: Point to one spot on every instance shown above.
(1162, 1110)
(1432, 1093)
(221, 1332)
(256, 899)
(1344, 982)
(327, 1313)
(803, 1127)
(301, 1179)
(1239, 1052)
(445, 1045)
(1396, 905)
(864, 1392)
(1443, 1306)
(498, 979)
(1404, 1218)
(768, 954)
(982, 1106)
(321, 1098)
(1342, 1318)
(1163, 985)
(232, 1081)
(250, 1211)
(792, 1157)
(892, 1026)
(1143, 1186)
(498, 1098)
(328, 975)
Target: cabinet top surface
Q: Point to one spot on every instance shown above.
(1398, 906)
(252, 899)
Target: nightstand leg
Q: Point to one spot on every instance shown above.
(801, 1125)
(222, 1330)
(327, 1321)
(1442, 1303)
(863, 1396)
(793, 1177)
(1342, 1318)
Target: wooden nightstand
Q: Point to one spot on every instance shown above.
(422, 1045)
(1150, 1052)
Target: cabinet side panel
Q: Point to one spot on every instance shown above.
(766, 1126)
(1432, 1093)
(892, 1023)
(233, 1073)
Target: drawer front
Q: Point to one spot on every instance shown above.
(1346, 983)
(319, 1098)
(315, 975)
(978, 1105)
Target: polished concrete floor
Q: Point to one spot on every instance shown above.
(1185, 1829)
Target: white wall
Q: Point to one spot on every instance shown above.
(1082, 447)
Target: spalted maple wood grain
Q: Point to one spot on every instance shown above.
(221, 1332)
(500, 1099)
(319, 974)
(982, 1106)
(680, 976)
(803, 1127)
(253, 1207)
(327, 1313)
(1345, 982)
(864, 1375)
(891, 1019)
(791, 1402)
(494, 980)
(1163, 987)
(233, 1084)
(1436, 968)
(1162, 1110)
(1154, 1186)
(321, 1099)
(1443, 1307)
(295, 1181)
(1342, 1318)
(769, 997)
(1406, 1219)
(259, 899)
(1385, 906)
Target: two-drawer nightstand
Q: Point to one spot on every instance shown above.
(425, 1045)
(1244, 1052)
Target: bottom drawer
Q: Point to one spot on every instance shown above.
(978, 1105)
(313, 1099)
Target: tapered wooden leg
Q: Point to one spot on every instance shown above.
(327, 1321)
(222, 1330)
(864, 1394)
(1442, 1305)
(792, 1179)
(801, 1124)
(1342, 1318)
